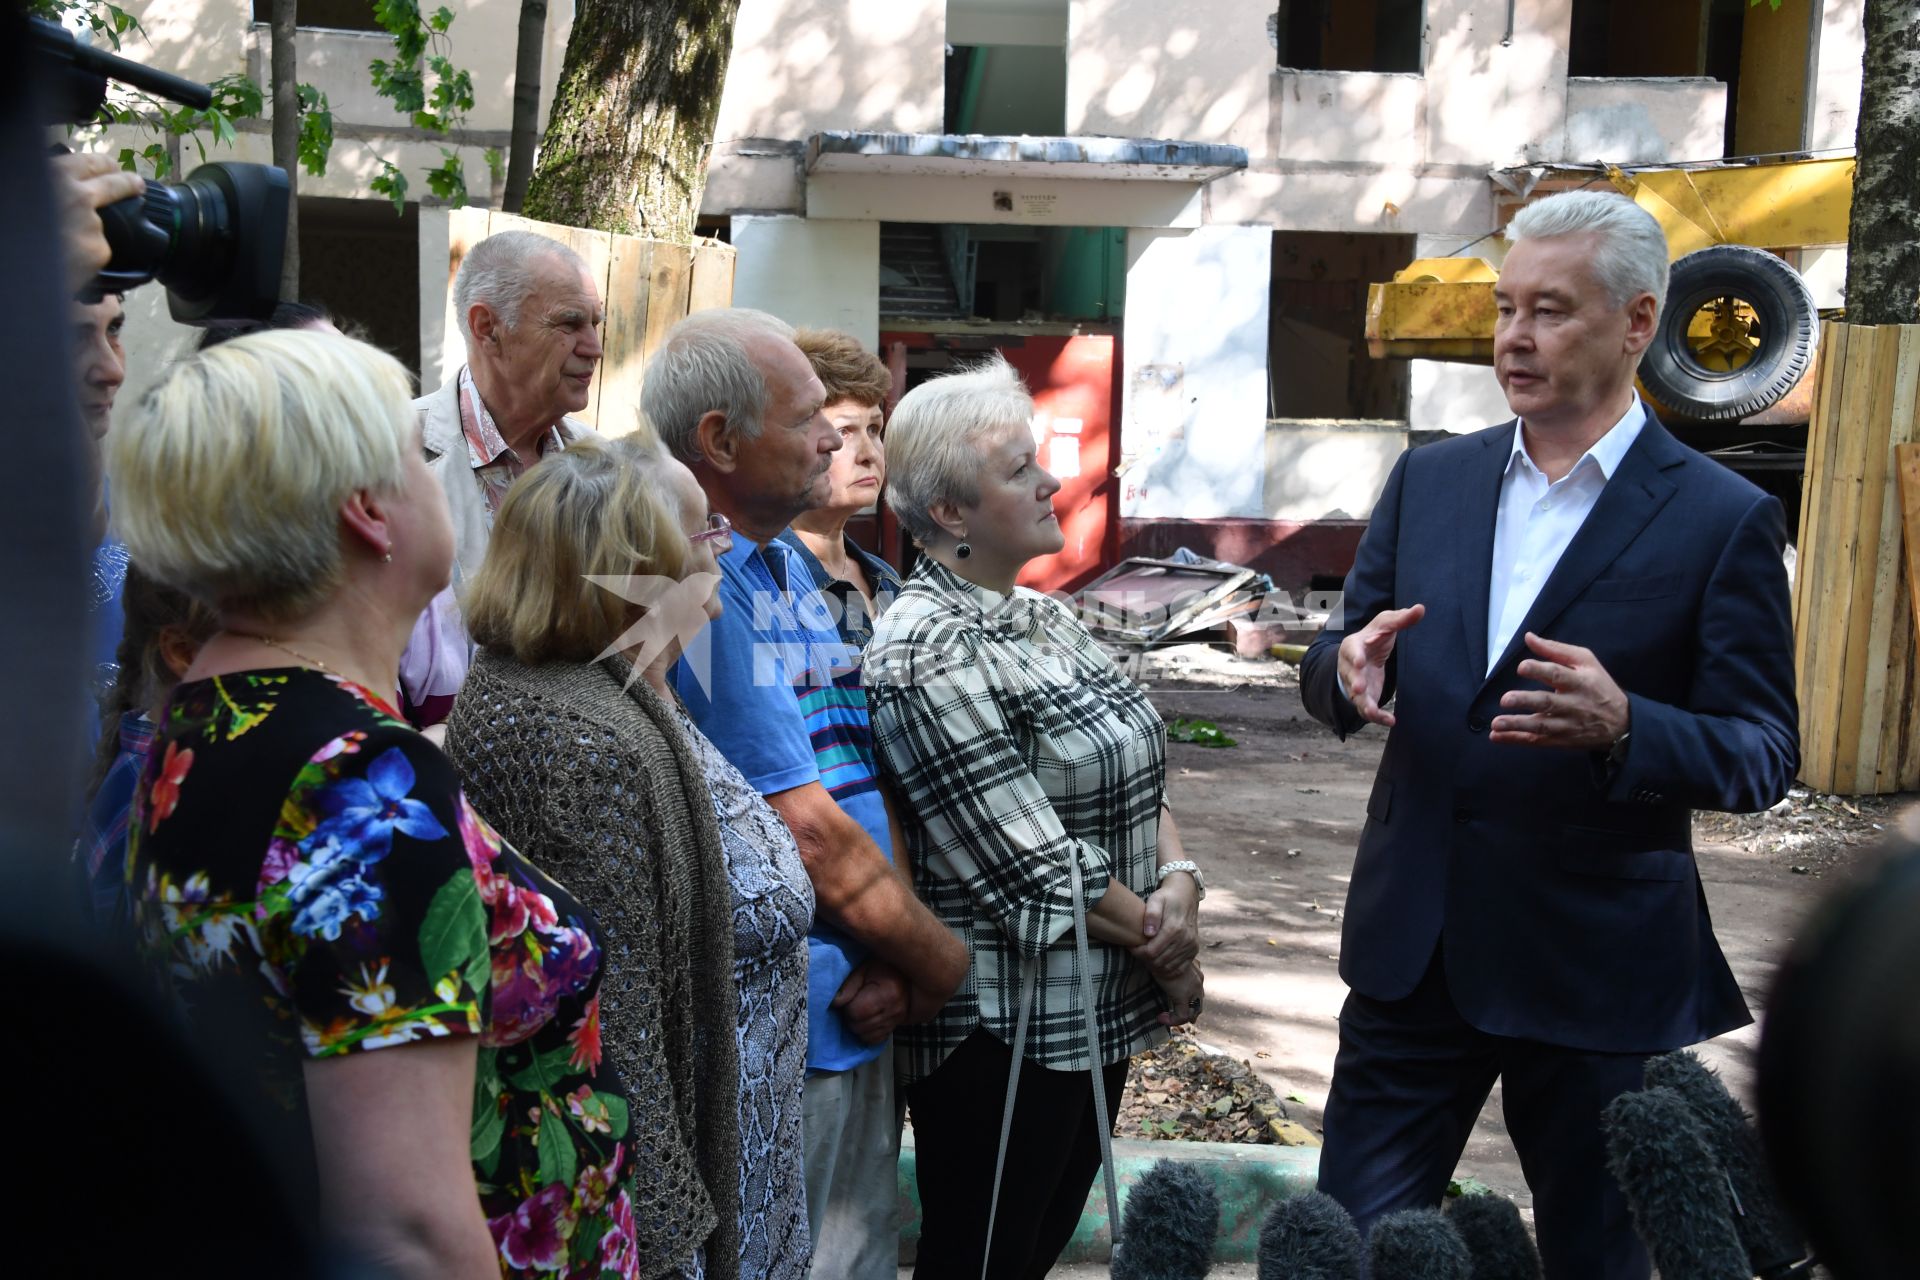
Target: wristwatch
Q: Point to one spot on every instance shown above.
(1187, 865)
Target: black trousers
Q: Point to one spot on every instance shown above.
(1408, 1084)
(1052, 1157)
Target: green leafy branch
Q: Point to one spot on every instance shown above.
(316, 129)
(108, 21)
(424, 85)
(421, 81)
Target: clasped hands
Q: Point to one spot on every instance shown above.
(876, 998)
(1172, 949)
(1580, 707)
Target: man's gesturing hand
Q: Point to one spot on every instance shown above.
(1363, 660)
(1581, 707)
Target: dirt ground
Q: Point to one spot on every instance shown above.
(1275, 819)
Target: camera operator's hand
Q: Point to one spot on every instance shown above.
(83, 184)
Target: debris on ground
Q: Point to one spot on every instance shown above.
(1198, 666)
(1202, 733)
(1809, 832)
(1142, 600)
(1183, 1091)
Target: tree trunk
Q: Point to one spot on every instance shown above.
(1883, 255)
(283, 84)
(632, 123)
(526, 102)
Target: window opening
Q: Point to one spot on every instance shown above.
(340, 15)
(1351, 35)
(1317, 361)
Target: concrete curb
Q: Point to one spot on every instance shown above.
(1246, 1177)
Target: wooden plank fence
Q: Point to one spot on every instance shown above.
(646, 285)
(1854, 609)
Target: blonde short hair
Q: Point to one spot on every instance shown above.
(227, 478)
(935, 436)
(603, 508)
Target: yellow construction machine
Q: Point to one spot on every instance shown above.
(1737, 337)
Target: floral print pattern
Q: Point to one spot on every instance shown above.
(166, 788)
(365, 905)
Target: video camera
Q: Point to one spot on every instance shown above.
(215, 240)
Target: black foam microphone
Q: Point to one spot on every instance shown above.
(1772, 1242)
(1167, 1229)
(1495, 1237)
(1417, 1244)
(1657, 1151)
(1309, 1237)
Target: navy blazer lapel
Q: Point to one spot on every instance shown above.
(1478, 496)
(1636, 492)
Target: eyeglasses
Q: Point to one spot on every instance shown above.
(718, 528)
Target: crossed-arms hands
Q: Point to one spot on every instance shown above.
(917, 962)
(1162, 930)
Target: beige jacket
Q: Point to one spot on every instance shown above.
(451, 465)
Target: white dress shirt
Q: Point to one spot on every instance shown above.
(1537, 520)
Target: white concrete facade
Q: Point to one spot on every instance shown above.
(823, 273)
(1390, 152)
(1401, 152)
(1194, 386)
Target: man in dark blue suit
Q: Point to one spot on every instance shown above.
(1583, 629)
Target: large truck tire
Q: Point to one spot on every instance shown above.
(1785, 328)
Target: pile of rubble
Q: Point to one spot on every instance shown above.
(1185, 1092)
(1812, 832)
(1143, 603)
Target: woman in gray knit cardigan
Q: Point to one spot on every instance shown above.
(601, 568)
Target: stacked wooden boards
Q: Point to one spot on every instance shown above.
(646, 286)
(1853, 607)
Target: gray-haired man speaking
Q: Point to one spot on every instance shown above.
(1586, 627)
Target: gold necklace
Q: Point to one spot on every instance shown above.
(287, 649)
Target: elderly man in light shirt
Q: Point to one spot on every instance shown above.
(531, 316)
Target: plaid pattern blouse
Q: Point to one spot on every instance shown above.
(1016, 744)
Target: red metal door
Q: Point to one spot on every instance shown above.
(1072, 380)
(1075, 396)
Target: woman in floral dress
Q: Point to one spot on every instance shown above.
(419, 1005)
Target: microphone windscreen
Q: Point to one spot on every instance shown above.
(1771, 1240)
(1309, 1237)
(1657, 1151)
(1417, 1244)
(1168, 1225)
(1495, 1237)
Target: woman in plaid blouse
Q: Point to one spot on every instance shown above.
(1018, 750)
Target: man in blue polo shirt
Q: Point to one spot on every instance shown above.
(733, 397)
